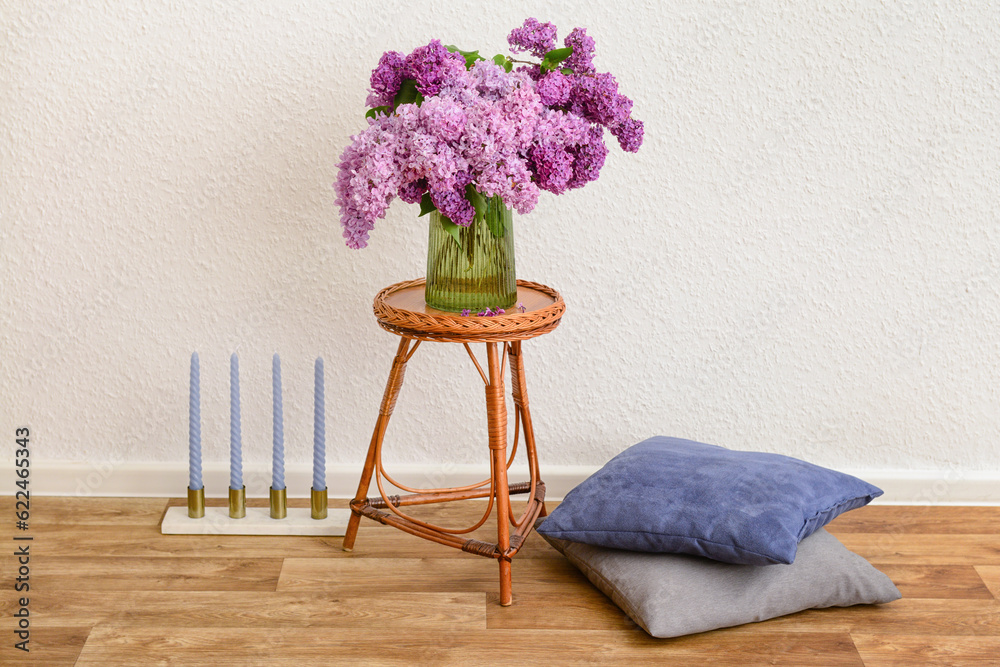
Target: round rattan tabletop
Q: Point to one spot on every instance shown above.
(401, 309)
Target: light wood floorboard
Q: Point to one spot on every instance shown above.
(990, 575)
(108, 589)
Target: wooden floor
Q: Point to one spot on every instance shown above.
(108, 589)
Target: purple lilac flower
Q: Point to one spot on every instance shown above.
(465, 312)
(520, 306)
(386, 79)
(507, 134)
(629, 134)
(554, 89)
(588, 158)
(553, 166)
(581, 61)
(452, 203)
(551, 156)
(534, 72)
(433, 66)
(413, 191)
(534, 37)
(596, 98)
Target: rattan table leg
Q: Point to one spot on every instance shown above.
(496, 412)
(392, 387)
(519, 393)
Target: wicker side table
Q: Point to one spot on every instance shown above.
(400, 309)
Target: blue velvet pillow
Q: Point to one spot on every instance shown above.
(667, 495)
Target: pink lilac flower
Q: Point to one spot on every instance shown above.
(386, 79)
(367, 181)
(521, 109)
(520, 306)
(581, 61)
(554, 89)
(490, 80)
(442, 118)
(534, 37)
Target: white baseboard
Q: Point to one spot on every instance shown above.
(170, 480)
(927, 487)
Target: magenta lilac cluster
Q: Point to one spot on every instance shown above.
(444, 122)
(489, 312)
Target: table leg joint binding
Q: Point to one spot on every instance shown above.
(379, 502)
(480, 548)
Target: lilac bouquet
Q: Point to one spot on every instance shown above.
(449, 129)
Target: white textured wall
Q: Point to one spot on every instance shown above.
(803, 258)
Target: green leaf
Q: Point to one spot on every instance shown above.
(481, 204)
(470, 56)
(478, 202)
(495, 225)
(408, 94)
(426, 205)
(556, 56)
(452, 229)
(504, 62)
(374, 112)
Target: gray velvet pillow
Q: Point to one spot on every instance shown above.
(670, 595)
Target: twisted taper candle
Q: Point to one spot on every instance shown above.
(235, 444)
(319, 431)
(194, 427)
(278, 450)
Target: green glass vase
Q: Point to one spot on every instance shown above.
(476, 270)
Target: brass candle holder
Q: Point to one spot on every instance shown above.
(196, 503)
(238, 503)
(317, 503)
(279, 503)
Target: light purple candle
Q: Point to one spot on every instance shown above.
(194, 427)
(235, 443)
(278, 450)
(319, 431)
